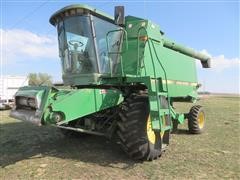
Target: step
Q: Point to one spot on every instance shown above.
(153, 93)
(156, 124)
(166, 128)
(161, 111)
(154, 106)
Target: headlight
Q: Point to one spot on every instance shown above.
(26, 102)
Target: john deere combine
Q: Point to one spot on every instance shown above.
(124, 77)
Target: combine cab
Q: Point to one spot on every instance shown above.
(124, 77)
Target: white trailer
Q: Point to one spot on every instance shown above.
(8, 87)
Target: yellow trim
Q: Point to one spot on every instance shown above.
(183, 83)
(150, 133)
(143, 38)
(161, 134)
(201, 120)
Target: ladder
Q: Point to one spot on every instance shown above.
(159, 112)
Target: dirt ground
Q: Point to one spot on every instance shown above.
(31, 152)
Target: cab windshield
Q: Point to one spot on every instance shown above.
(83, 47)
(76, 45)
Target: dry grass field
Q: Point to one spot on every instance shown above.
(31, 152)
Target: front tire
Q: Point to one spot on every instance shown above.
(136, 136)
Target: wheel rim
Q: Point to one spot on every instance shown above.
(161, 134)
(150, 133)
(200, 120)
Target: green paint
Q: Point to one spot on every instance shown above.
(78, 103)
(143, 56)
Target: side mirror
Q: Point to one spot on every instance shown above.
(119, 15)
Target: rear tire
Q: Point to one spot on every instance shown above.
(196, 119)
(133, 129)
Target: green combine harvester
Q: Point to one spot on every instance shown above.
(123, 76)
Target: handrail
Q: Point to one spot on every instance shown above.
(154, 69)
(117, 52)
(165, 75)
(116, 30)
(138, 57)
(156, 84)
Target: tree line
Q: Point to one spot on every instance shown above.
(38, 79)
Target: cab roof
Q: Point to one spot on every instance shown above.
(78, 9)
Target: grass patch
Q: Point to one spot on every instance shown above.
(28, 151)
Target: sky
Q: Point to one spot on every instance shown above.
(29, 41)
